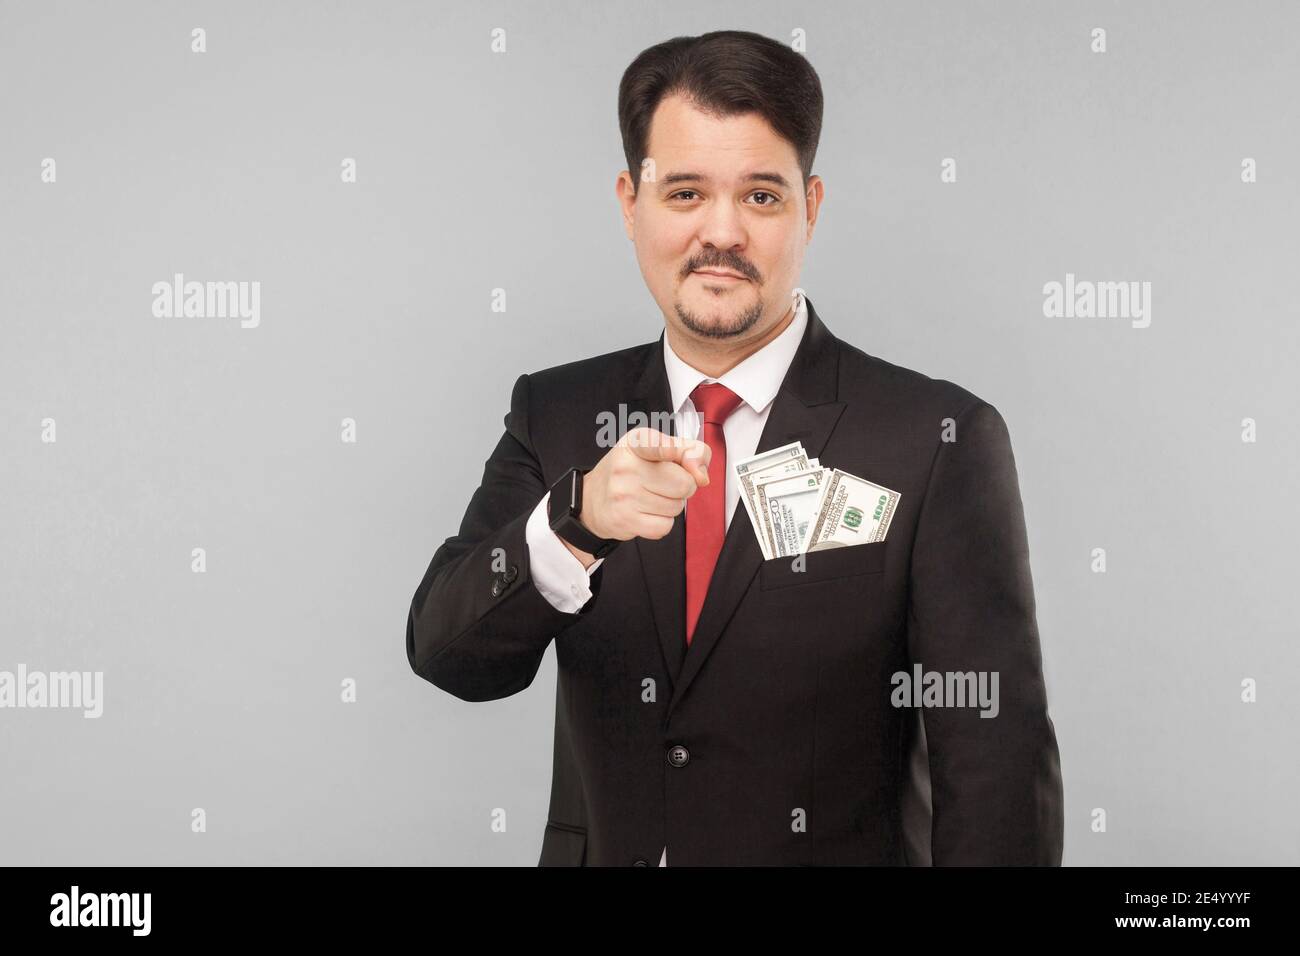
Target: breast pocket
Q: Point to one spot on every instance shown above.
(831, 564)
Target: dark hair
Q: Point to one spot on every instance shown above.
(724, 73)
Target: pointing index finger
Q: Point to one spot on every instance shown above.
(654, 445)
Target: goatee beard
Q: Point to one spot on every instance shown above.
(743, 323)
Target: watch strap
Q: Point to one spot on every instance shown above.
(565, 505)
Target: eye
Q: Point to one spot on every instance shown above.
(772, 198)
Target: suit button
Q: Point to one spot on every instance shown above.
(496, 588)
(679, 756)
(640, 863)
(511, 573)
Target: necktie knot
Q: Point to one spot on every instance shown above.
(714, 401)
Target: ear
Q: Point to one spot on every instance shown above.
(624, 189)
(813, 201)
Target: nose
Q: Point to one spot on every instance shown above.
(722, 227)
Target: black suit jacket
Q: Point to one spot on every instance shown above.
(772, 739)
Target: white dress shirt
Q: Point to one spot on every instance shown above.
(560, 576)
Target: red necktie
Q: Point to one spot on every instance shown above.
(706, 520)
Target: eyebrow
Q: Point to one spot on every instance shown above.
(672, 179)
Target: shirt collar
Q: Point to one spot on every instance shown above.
(757, 379)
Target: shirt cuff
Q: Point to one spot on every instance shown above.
(558, 574)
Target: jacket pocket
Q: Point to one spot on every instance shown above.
(563, 845)
(830, 564)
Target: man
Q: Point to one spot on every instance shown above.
(711, 704)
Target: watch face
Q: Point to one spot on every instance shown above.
(573, 488)
(563, 493)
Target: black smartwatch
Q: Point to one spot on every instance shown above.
(563, 510)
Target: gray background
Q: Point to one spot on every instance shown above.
(479, 171)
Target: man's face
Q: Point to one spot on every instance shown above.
(721, 228)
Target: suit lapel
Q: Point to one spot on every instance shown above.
(805, 409)
(663, 561)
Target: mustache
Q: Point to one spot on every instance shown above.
(725, 263)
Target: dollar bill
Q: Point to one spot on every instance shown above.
(790, 503)
(851, 511)
(786, 460)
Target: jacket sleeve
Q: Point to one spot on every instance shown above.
(478, 626)
(995, 781)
